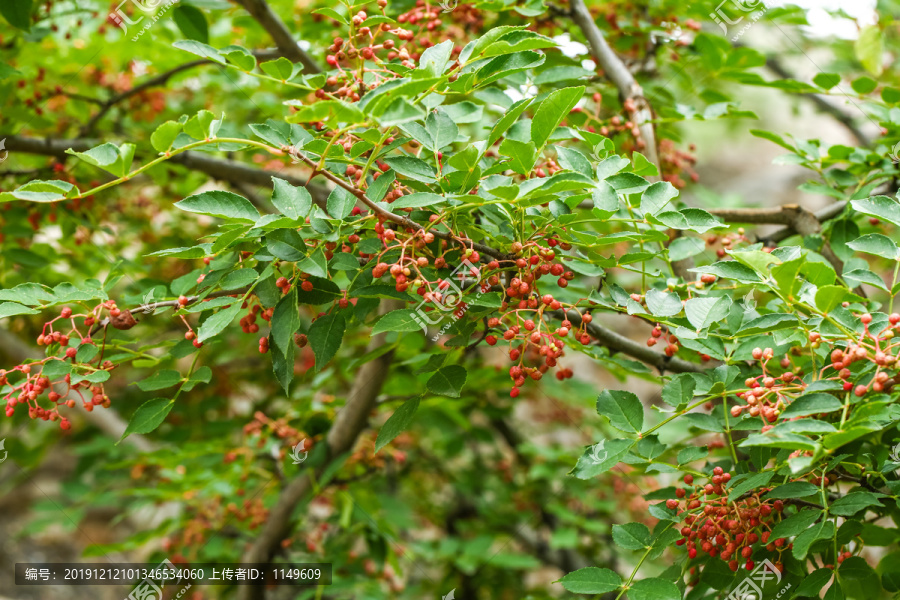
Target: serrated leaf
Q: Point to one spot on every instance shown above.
(877, 244)
(591, 580)
(663, 303)
(217, 322)
(551, 112)
(448, 381)
(222, 204)
(286, 320)
(657, 197)
(631, 536)
(703, 312)
(325, 337)
(292, 201)
(396, 423)
(623, 409)
(149, 416)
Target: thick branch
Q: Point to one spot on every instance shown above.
(823, 105)
(620, 76)
(276, 28)
(342, 436)
(800, 219)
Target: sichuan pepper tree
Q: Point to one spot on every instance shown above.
(419, 222)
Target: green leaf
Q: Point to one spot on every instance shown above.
(814, 583)
(880, 207)
(657, 196)
(17, 13)
(292, 201)
(522, 155)
(506, 121)
(551, 112)
(217, 322)
(164, 135)
(794, 489)
(654, 588)
(396, 423)
(852, 503)
(160, 380)
(402, 319)
(280, 68)
(440, 127)
(623, 409)
(811, 404)
(869, 48)
(679, 390)
(148, 417)
(325, 337)
(757, 480)
(412, 167)
(286, 320)
(819, 531)
(631, 536)
(8, 309)
(662, 303)
(107, 157)
(826, 81)
(828, 297)
(703, 312)
(877, 244)
(601, 457)
(191, 22)
(315, 264)
(863, 85)
(200, 49)
(448, 381)
(435, 58)
(240, 57)
(795, 524)
(340, 203)
(418, 200)
(217, 203)
(591, 580)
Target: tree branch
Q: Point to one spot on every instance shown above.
(348, 425)
(234, 172)
(774, 65)
(276, 28)
(158, 80)
(399, 219)
(620, 343)
(620, 76)
(796, 220)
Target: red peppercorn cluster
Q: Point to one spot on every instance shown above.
(729, 530)
(727, 242)
(62, 336)
(657, 335)
(768, 396)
